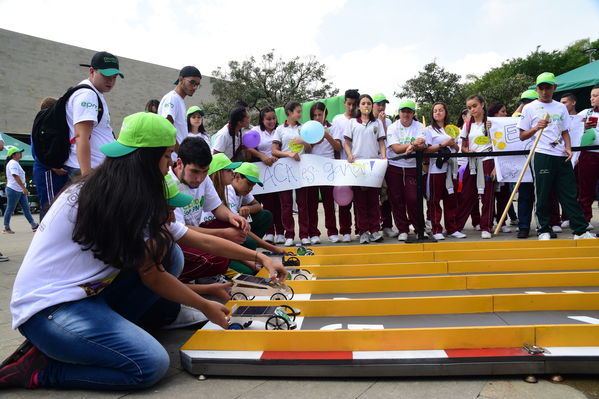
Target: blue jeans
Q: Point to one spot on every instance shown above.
(48, 185)
(14, 197)
(94, 343)
(526, 202)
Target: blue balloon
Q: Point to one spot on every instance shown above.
(312, 132)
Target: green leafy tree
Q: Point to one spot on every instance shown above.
(270, 80)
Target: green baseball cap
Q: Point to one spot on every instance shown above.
(407, 104)
(221, 161)
(379, 97)
(142, 129)
(105, 63)
(546, 77)
(194, 109)
(174, 197)
(11, 150)
(529, 95)
(251, 172)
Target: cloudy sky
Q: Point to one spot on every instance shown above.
(373, 46)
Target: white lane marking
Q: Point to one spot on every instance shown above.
(573, 351)
(423, 354)
(299, 321)
(299, 297)
(572, 292)
(340, 298)
(533, 292)
(585, 319)
(337, 326)
(365, 327)
(197, 354)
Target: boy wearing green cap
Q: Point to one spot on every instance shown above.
(551, 161)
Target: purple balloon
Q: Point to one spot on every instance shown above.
(251, 139)
(343, 195)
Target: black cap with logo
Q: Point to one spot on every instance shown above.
(105, 63)
(189, 71)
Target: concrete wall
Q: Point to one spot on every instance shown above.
(32, 68)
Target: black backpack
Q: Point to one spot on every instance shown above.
(50, 133)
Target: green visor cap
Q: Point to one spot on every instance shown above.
(194, 109)
(174, 197)
(221, 161)
(11, 150)
(529, 95)
(143, 129)
(111, 72)
(379, 97)
(407, 104)
(546, 77)
(251, 172)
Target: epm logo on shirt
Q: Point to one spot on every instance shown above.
(87, 104)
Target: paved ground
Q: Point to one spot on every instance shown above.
(181, 385)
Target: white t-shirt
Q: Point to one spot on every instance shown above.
(365, 138)
(399, 134)
(533, 112)
(284, 134)
(434, 137)
(205, 200)
(339, 127)
(14, 168)
(477, 140)
(82, 106)
(265, 146)
(56, 269)
(585, 113)
(223, 142)
(203, 136)
(325, 149)
(237, 201)
(172, 104)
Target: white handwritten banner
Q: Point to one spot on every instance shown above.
(506, 137)
(314, 170)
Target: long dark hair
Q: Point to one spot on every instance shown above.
(494, 109)
(482, 102)
(460, 121)
(237, 115)
(371, 117)
(201, 128)
(434, 123)
(122, 211)
(263, 112)
(319, 105)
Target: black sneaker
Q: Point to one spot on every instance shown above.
(20, 367)
(552, 234)
(523, 233)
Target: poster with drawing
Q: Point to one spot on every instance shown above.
(505, 136)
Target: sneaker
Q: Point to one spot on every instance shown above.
(556, 229)
(280, 239)
(306, 241)
(376, 236)
(269, 238)
(7, 230)
(365, 238)
(458, 234)
(346, 238)
(506, 229)
(315, 240)
(477, 227)
(34, 227)
(544, 236)
(389, 232)
(438, 236)
(513, 222)
(187, 316)
(590, 227)
(552, 234)
(289, 242)
(4, 258)
(523, 233)
(402, 237)
(565, 224)
(20, 368)
(485, 234)
(587, 235)
(334, 238)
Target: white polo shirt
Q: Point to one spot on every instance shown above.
(284, 134)
(365, 137)
(324, 148)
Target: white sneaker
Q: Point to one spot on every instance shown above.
(556, 229)
(289, 242)
(346, 238)
(428, 225)
(280, 239)
(505, 229)
(458, 234)
(334, 238)
(305, 241)
(389, 232)
(587, 235)
(545, 236)
(269, 238)
(365, 238)
(565, 224)
(315, 240)
(590, 227)
(187, 316)
(485, 235)
(477, 227)
(438, 236)
(376, 237)
(402, 237)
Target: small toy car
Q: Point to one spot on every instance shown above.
(275, 317)
(248, 287)
(291, 261)
(299, 274)
(303, 251)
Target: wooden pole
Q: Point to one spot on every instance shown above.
(517, 186)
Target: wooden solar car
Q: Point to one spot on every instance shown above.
(299, 274)
(275, 317)
(248, 287)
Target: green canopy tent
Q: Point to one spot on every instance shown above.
(334, 106)
(27, 159)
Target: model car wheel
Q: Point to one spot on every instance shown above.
(277, 296)
(239, 296)
(300, 277)
(235, 326)
(289, 310)
(277, 323)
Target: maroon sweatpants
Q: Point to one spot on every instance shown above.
(469, 198)
(401, 189)
(301, 198)
(386, 219)
(438, 192)
(588, 174)
(272, 203)
(366, 201)
(345, 219)
(201, 264)
(328, 203)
